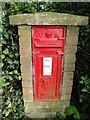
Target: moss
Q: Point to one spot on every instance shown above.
(48, 18)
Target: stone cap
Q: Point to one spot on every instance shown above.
(48, 18)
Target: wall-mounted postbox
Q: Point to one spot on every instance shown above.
(48, 50)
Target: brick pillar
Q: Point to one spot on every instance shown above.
(69, 61)
(26, 63)
(24, 23)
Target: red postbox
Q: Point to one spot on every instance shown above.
(48, 50)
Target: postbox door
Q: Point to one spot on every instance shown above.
(47, 75)
(47, 62)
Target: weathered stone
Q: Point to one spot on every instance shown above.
(50, 109)
(24, 31)
(25, 60)
(65, 90)
(36, 115)
(72, 36)
(67, 82)
(26, 68)
(27, 90)
(27, 76)
(27, 84)
(65, 96)
(70, 50)
(68, 75)
(69, 67)
(24, 42)
(25, 51)
(48, 18)
(28, 98)
(70, 58)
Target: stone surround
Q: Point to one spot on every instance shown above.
(24, 23)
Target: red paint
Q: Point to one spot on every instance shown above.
(48, 43)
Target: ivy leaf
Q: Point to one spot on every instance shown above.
(6, 51)
(84, 90)
(72, 110)
(1, 29)
(15, 71)
(69, 110)
(10, 77)
(3, 56)
(2, 82)
(82, 98)
(8, 112)
(1, 65)
(6, 35)
(20, 77)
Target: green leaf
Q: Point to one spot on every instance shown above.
(72, 110)
(1, 29)
(2, 82)
(76, 113)
(15, 71)
(8, 112)
(10, 77)
(3, 56)
(6, 35)
(84, 90)
(69, 110)
(6, 51)
(82, 98)
(1, 65)
(20, 77)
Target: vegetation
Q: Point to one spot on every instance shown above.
(12, 102)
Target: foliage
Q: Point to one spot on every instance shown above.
(84, 97)
(12, 103)
(12, 107)
(72, 112)
(59, 116)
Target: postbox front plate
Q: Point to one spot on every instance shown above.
(48, 50)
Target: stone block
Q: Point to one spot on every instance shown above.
(68, 75)
(48, 18)
(25, 60)
(24, 52)
(26, 68)
(67, 82)
(72, 36)
(57, 103)
(28, 98)
(69, 67)
(35, 115)
(29, 109)
(27, 91)
(65, 96)
(49, 115)
(64, 90)
(26, 76)
(24, 31)
(70, 58)
(25, 41)
(70, 50)
(36, 104)
(49, 109)
(27, 84)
